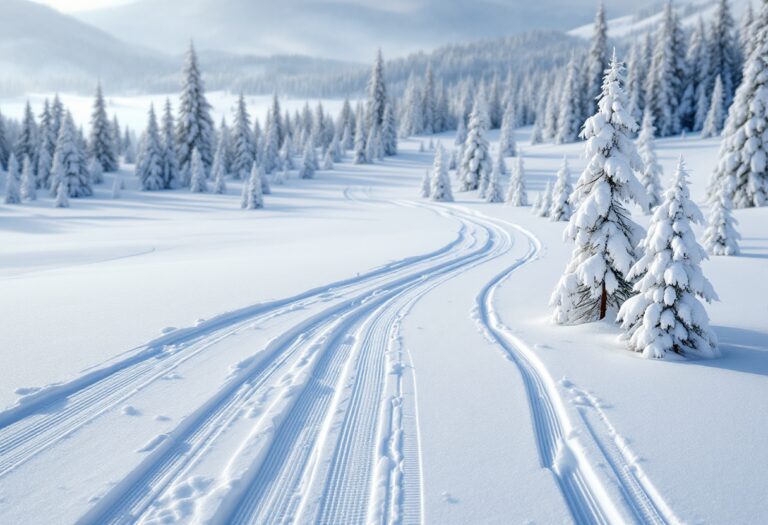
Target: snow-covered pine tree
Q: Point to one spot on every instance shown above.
(388, 131)
(377, 95)
(744, 149)
(5, 149)
(26, 140)
(500, 164)
(493, 192)
(62, 189)
(713, 124)
(12, 194)
(428, 102)
(666, 315)
(372, 144)
(507, 144)
(197, 182)
(440, 185)
(101, 145)
(476, 162)
(149, 167)
(45, 139)
(168, 160)
(95, 171)
(328, 160)
(117, 143)
(597, 61)
(265, 187)
(194, 127)
(74, 172)
(561, 206)
(569, 120)
(536, 136)
(360, 138)
(724, 53)
(217, 170)
(426, 184)
(650, 177)
(664, 81)
(546, 200)
(286, 154)
(28, 182)
(596, 279)
(335, 148)
(347, 140)
(243, 145)
(307, 168)
(129, 147)
(516, 192)
(254, 196)
(721, 237)
(538, 203)
(43, 167)
(270, 160)
(461, 133)
(699, 69)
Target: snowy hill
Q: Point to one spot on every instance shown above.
(648, 18)
(348, 30)
(42, 47)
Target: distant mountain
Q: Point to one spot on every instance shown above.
(346, 29)
(41, 48)
(648, 18)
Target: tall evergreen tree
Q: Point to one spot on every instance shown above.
(71, 159)
(254, 197)
(412, 120)
(746, 32)
(243, 146)
(476, 162)
(5, 149)
(744, 150)
(149, 167)
(666, 315)
(12, 193)
(561, 206)
(101, 144)
(596, 63)
(194, 127)
(28, 182)
(605, 237)
(440, 184)
(665, 79)
(168, 160)
(721, 237)
(428, 102)
(389, 131)
(517, 195)
(713, 125)
(308, 161)
(724, 52)
(26, 141)
(360, 143)
(377, 94)
(197, 181)
(569, 121)
(650, 178)
(507, 143)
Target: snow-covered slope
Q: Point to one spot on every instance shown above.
(347, 30)
(648, 18)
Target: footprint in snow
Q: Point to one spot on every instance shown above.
(448, 498)
(130, 410)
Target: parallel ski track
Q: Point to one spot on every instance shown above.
(33, 426)
(279, 486)
(128, 500)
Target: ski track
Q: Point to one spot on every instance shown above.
(338, 442)
(583, 489)
(42, 419)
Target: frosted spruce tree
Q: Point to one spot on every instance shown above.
(597, 62)
(286, 154)
(62, 187)
(359, 155)
(666, 315)
(197, 182)
(721, 237)
(744, 149)
(377, 95)
(101, 144)
(507, 136)
(328, 160)
(426, 183)
(605, 237)
(95, 171)
(570, 118)
(307, 168)
(270, 159)
(516, 192)
(217, 170)
(28, 182)
(194, 127)
(254, 196)
(493, 193)
(440, 187)
(168, 159)
(713, 124)
(12, 194)
(243, 144)
(428, 102)
(5, 149)
(500, 164)
(26, 140)
(389, 131)
(149, 167)
(74, 172)
(561, 206)
(546, 200)
(665, 80)
(724, 52)
(538, 202)
(476, 162)
(650, 177)
(266, 189)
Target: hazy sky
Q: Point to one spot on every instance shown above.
(78, 5)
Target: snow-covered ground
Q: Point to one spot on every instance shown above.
(351, 354)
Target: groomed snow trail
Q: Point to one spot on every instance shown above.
(588, 491)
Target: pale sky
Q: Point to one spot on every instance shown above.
(69, 6)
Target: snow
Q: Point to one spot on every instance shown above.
(175, 332)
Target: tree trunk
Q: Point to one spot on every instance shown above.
(603, 302)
